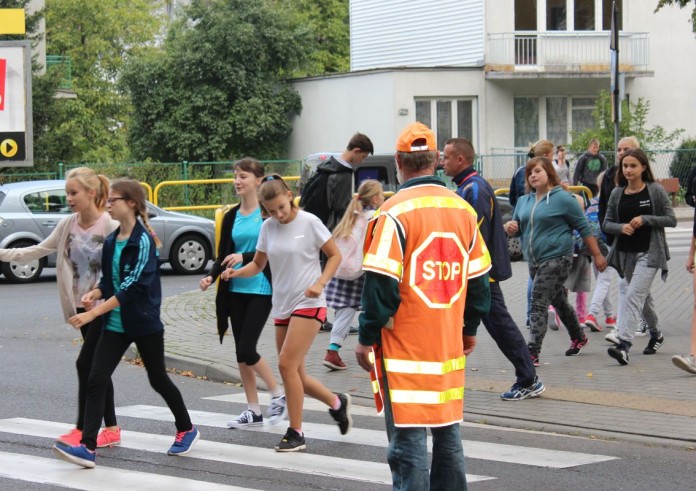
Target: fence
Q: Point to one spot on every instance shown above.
(497, 168)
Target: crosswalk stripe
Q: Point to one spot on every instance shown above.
(55, 472)
(305, 463)
(309, 403)
(514, 454)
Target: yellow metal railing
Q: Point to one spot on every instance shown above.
(574, 189)
(199, 181)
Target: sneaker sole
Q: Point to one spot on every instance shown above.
(294, 449)
(680, 363)
(195, 439)
(593, 327)
(348, 416)
(617, 357)
(231, 425)
(113, 444)
(87, 464)
(330, 365)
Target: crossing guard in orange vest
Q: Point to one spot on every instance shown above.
(426, 290)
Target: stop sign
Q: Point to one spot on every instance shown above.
(439, 269)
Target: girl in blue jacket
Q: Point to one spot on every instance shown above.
(130, 285)
(546, 219)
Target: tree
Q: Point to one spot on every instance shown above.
(216, 89)
(98, 37)
(681, 4)
(683, 161)
(634, 123)
(329, 24)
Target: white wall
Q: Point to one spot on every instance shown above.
(416, 33)
(672, 91)
(335, 107)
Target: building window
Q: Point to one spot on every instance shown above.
(448, 118)
(551, 118)
(556, 15)
(606, 14)
(557, 119)
(584, 15)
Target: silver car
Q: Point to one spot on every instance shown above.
(29, 211)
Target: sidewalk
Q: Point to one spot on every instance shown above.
(649, 400)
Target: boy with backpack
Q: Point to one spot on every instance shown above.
(329, 191)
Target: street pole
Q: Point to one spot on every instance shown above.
(614, 68)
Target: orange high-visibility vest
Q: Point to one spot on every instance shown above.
(425, 237)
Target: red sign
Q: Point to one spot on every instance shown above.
(439, 269)
(3, 67)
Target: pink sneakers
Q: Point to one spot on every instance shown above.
(109, 438)
(72, 438)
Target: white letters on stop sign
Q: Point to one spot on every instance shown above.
(441, 270)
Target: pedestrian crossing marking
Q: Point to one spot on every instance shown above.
(538, 457)
(41, 470)
(303, 463)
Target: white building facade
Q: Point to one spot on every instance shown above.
(503, 73)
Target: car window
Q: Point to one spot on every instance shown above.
(53, 201)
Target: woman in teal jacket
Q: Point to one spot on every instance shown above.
(546, 219)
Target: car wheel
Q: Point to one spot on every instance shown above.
(23, 273)
(514, 246)
(189, 255)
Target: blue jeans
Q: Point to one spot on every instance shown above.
(407, 455)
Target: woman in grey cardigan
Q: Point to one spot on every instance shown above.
(637, 214)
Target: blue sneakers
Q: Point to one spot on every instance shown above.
(77, 454)
(518, 393)
(184, 441)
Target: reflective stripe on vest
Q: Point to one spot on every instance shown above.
(430, 202)
(424, 367)
(425, 396)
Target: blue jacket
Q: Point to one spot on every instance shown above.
(140, 295)
(479, 194)
(547, 225)
(517, 188)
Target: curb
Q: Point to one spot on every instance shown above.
(215, 372)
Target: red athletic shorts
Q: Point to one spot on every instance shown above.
(313, 313)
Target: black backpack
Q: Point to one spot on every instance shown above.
(314, 198)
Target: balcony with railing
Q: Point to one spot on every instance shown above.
(529, 54)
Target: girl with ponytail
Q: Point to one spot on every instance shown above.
(130, 285)
(77, 241)
(344, 290)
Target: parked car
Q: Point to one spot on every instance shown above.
(29, 211)
(383, 168)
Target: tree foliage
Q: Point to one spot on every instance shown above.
(216, 88)
(681, 4)
(98, 37)
(683, 161)
(634, 123)
(329, 24)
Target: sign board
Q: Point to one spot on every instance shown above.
(16, 134)
(439, 269)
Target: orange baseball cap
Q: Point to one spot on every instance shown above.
(411, 134)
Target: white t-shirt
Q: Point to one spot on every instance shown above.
(293, 254)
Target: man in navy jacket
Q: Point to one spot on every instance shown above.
(458, 162)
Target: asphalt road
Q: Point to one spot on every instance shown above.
(38, 383)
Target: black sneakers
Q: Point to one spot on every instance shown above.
(576, 346)
(653, 345)
(342, 414)
(619, 353)
(291, 442)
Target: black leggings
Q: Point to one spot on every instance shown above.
(248, 313)
(90, 335)
(110, 349)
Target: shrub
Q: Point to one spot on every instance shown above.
(683, 161)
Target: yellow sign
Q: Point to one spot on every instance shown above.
(12, 21)
(8, 148)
